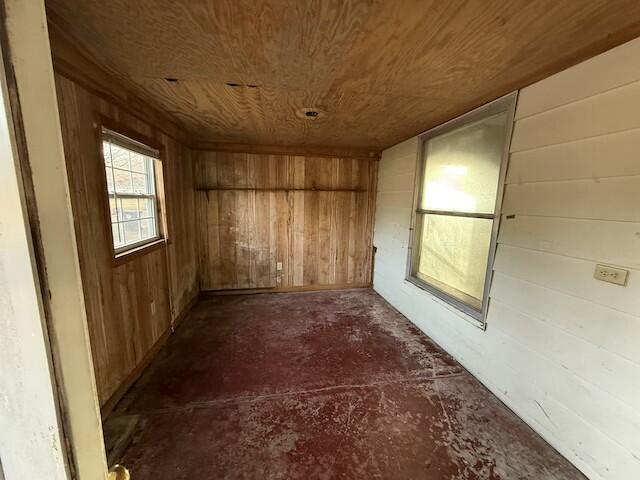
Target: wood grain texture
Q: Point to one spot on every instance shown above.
(380, 71)
(130, 306)
(75, 63)
(282, 212)
(306, 151)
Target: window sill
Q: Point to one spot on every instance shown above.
(127, 256)
(463, 311)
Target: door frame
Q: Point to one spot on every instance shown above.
(72, 414)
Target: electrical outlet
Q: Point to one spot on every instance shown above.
(279, 266)
(614, 275)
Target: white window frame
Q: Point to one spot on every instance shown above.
(503, 104)
(153, 156)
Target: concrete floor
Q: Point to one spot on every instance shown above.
(323, 385)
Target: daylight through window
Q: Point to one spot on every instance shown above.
(461, 172)
(130, 172)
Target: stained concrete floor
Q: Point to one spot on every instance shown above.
(323, 385)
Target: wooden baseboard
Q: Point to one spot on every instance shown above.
(124, 387)
(305, 288)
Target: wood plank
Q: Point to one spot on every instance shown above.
(612, 155)
(325, 208)
(616, 243)
(613, 199)
(298, 262)
(135, 374)
(609, 329)
(242, 228)
(74, 63)
(579, 412)
(371, 215)
(118, 300)
(368, 153)
(280, 189)
(568, 275)
(320, 237)
(283, 238)
(312, 179)
(617, 110)
(181, 208)
(583, 359)
(380, 60)
(203, 233)
(593, 405)
(597, 75)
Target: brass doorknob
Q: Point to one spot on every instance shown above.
(118, 472)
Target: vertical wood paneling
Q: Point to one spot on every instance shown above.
(322, 238)
(130, 306)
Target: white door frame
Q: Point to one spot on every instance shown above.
(50, 410)
(26, 373)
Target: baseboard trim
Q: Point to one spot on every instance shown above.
(126, 384)
(305, 288)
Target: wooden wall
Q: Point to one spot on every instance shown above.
(312, 214)
(561, 348)
(129, 307)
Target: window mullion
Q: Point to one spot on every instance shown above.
(488, 216)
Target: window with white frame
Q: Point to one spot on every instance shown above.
(461, 171)
(133, 204)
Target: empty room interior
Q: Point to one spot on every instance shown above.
(341, 239)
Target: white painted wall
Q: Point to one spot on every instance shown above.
(31, 443)
(561, 349)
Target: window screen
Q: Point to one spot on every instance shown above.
(461, 169)
(130, 173)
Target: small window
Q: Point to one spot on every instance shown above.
(461, 172)
(133, 203)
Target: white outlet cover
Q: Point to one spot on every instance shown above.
(615, 275)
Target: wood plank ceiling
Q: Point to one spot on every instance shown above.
(379, 72)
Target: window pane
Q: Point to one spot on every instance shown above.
(138, 163)
(109, 174)
(120, 157)
(453, 255)
(128, 209)
(147, 208)
(462, 167)
(106, 153)
(140, 183)
(131, 232)
(123, 181)
(147, 228)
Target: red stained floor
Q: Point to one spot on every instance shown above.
(323, 385)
